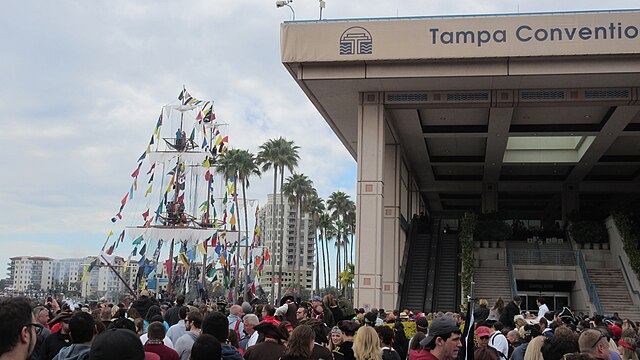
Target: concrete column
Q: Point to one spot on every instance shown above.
(391, 249)
(570, 201)
(369, 201)
(489, 197)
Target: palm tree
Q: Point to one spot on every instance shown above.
(240, 165)
(351, 226)
(297, 188)
(327, 231)
(278, 154)
(339, 204)
(315, 207)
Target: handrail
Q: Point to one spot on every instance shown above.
(541, 256)
(593, 294)
(512, 278)
(405, 258)
(627, 278)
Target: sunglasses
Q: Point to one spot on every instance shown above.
(484, 337)
(38, 327)
(597, 341)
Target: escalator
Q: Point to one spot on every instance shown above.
(447, 284)
(414, 286)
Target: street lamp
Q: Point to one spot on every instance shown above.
(281, 3)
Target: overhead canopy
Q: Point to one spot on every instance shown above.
(533, 104)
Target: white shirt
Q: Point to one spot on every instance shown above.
(500, 343)
(252, 339)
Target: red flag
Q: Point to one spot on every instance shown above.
(266, 254)
(225, 139)
(199, 117)
(110, 250)
(168, 265)
(135, 173)
(124, 200)
(181, 198)
(151, 169)
(145, 215)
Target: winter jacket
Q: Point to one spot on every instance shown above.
(73, 352)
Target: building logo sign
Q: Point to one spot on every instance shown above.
(356, 40)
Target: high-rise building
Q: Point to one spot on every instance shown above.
(31, 273)
(271, 238)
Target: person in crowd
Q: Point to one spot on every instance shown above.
(345, 350)
(232, 340)
(320, 312)
(627, 348)
(593, 343)
(154, 314)
(166, 341)
(82, 329)
(417, 351)
(268, 315)
(105, 316)
(528, 332)
(302, 314)
(172, 315)
(542, 307)
(510, 310)
(235, 320)
(385, 334)
(19, 330)
(59, 339)
(271, 347)
(121, 344)
(544, 327)
(443, 339)
(481, 314)
(251, 335)
(495, 312)
(157, 332)
(330, 303)
(206, 347)
(300, 344)
(513, 337)
(366, 345)
(320, 349)
(498, 341)
(179, 329)
(217, 324)
(42, 317)
(335, 338)
(564, 341)
(143, 303)
(400, 341)
(483, 334)
(193, 325)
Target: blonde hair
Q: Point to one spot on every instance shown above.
(534, 349)
(483, 303)
(366, 345)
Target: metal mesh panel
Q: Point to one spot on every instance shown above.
(406, 97)
(479, 96)
(606, 94)
(542, 95)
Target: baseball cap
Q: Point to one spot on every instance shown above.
(440, 326)
(316, 298)
(483, 331)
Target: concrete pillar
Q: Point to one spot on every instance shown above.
(570, 201)
(489, 197)
(369, 201)
(391, 249)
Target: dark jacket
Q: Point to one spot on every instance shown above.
(53, 344)
(511, 310)
(320, 353)
(265, 351)
(230, 353)
(481, 314)
(143, 304)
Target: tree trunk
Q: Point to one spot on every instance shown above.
(274, 232)
(327, 261)
(317, 254)
(338, 261)
(296, 236)
(282, 254)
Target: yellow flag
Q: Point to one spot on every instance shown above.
(124, 266)
(148, 190)
(206, 164)
(202, 249)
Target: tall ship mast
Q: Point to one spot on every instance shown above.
(177, 200)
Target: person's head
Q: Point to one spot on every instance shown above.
(269, 330)
(19, 330)
(216, 324)
(513, 336)
(42, 314)
(517, 300)
(530, 332)
(594, 343)
(627, 348)
(367, 344)
(483, 303)
(193, 321)
(180, 300)
(336, 335)
(105, 314)
(268, 310)
(82, 327)
(249, 321)
(301, 313)
(182, 312)
(319, 329)
(206, 347)
(499, 304)
(156, 330)
(348, 328)
(385, 334)
(119, 344)
(443, 338)
(139, 323)
(123, 323)
(482, 336)
(316, 300)
(154, 310)
(300, 343)
(540, 301)
(544, 323)
(236, 310)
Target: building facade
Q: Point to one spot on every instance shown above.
(271, 238)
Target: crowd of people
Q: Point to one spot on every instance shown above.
(323, 328)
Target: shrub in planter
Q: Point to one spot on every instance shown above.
(589, 232)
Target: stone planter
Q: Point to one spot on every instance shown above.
(476, 244)
(493, 244)
(502, 244)
(605, 246)
(484, 244)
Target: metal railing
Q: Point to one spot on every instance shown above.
(512, 277)
(593, 294)
(627, 278)
(542, 257)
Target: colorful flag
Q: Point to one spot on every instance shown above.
(137, 241)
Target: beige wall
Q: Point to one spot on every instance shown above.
(590, 33)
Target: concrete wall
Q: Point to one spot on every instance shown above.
(617, 253)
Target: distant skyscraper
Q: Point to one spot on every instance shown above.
(271, 238)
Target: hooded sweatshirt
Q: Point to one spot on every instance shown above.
(230, 353)
(73, 352)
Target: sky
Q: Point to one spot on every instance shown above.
(83, 82)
